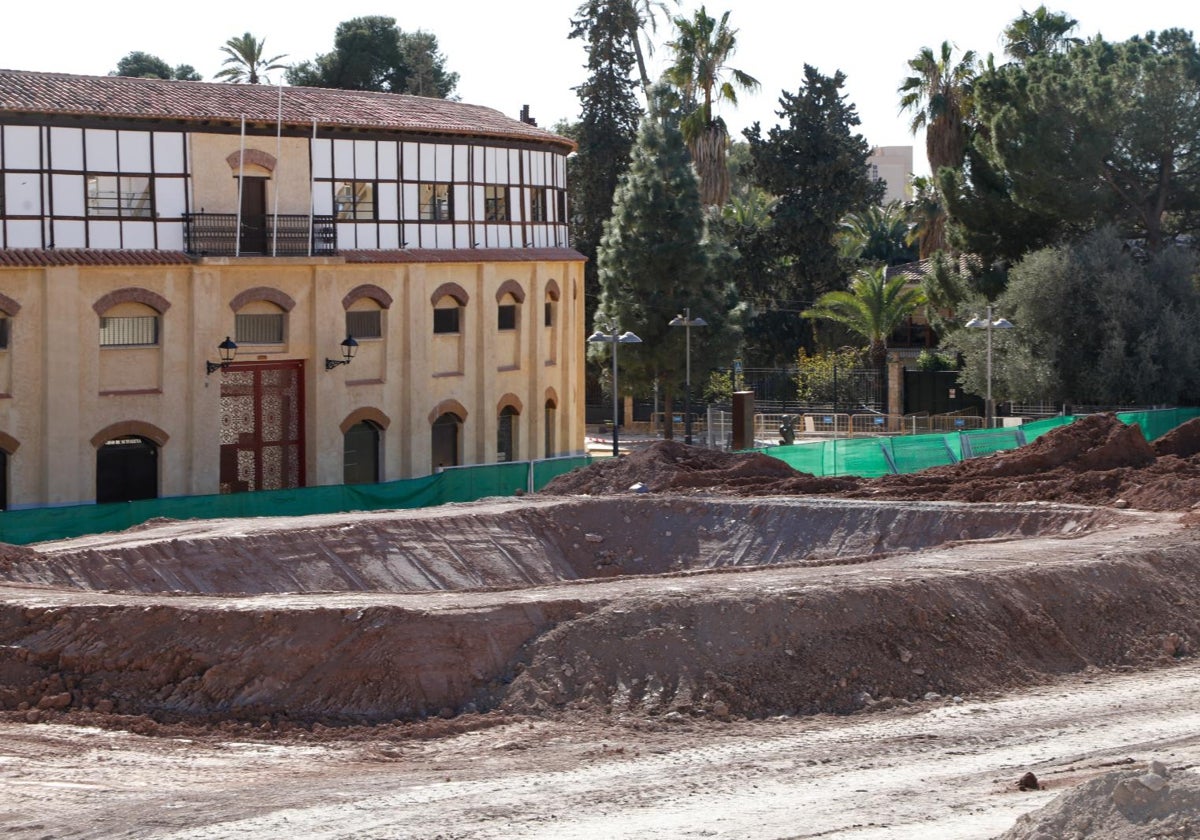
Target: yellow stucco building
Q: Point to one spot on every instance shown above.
(386, 279)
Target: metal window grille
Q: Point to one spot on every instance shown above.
(259, 329)
(506, 318)
(136, 331)
(364, 324)
(445, 320)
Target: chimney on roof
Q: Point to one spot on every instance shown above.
(525, 118)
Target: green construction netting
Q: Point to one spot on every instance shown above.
(1155, 424)
(987, 441)
(465, 484)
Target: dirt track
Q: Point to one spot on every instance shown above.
(581, 667)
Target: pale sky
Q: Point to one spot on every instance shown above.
(513, 53)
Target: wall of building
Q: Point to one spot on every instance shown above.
(893, 165)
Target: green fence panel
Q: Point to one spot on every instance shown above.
(987, 441)
(805, 457)
(1037, 428)
(466, 484)
(546, 471)
(1155, 424)
(920, 452)
(856, 456)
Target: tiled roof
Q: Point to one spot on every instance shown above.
(460, 255)
(37, 257)
(23, 91)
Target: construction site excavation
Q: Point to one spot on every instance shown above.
(737, 650)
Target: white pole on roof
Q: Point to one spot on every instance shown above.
(237, 231)
(312, 150)
(278, 157)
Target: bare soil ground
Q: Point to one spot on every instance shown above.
(725, 655)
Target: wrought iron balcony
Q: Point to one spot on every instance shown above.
(217, 235)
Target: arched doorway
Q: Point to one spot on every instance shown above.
(360, 453)
(446, 437)
(549, 420)
(506, 434)
(126, 470)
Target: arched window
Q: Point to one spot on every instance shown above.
(447, 436)
(360, 453)
(126, 469)
(551, 417)
(507, 434)
(260, 316)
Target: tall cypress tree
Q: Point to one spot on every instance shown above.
(608, 121)
(654, 262)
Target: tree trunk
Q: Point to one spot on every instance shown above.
(668, 427)
(708, 157)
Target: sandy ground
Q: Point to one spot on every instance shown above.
(725, 656)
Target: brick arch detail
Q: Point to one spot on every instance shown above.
(253, 157)
(131, 294)
(129, 428)
(8, 443)
(510, 400)
(450, 406)
(450, 290)
(262, 293)
(510, 287)
(552, 397)
(367, 413)
(367, 290)
(9, 306)
(552, 290)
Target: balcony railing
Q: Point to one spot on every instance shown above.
(217, 235)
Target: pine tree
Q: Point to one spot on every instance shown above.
(655, 262)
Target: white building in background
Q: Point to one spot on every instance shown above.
(894, 166)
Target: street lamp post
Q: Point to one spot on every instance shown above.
(687, 322)
(990, 324)
(610, 333)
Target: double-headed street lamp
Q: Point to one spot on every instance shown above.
(609, 333)
(687, 322)
(990, 324)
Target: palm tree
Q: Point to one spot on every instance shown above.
(939, 93)
(927, 218)
(646, 12)
(876, 234)
(1038, 33)
(702, 48)
(872, 307)
(245, 62)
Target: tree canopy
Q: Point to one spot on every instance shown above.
(372, 53)
(244, 61)
(872, 308)
(143, 65)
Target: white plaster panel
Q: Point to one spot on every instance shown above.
(168, 152)
(322, 199)
(409, 209)
(22, 194)
(389, 237)
(345, 237)
(499, 169)
(104, 234)
(477, 159)
(409, 238)
(462, 169)
(445, 168)
(366, 237)
(134, 147)
(462, 201)
(322, 154)
(24, 234)
(364, 160)
(462, 236)
(499, 236)
(170, 196)
(70, 234)
(66, 148)
(21, 147)
(101, 150)
(343, 158)
(428, 167)
(516, 210)
(476, 203)
(514, 166)
(560, 171)
(445, 236)
(68, 195)
(170, 236)
(408, 161)
(387, 201)
(137, 235)
(386, 164)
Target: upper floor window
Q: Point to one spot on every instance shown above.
(435, 204)
(548, 316)
(129, 331)
(562, 205)
(5, 327)
(259, 328)
(364, 323)
(506, 316)
(537, 205)
(354, 200)
(495, 204)
(445, 319)
(120, 196)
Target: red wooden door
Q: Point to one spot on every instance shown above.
(262, 426)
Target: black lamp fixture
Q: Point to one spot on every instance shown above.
(227, 349)
(349, 350)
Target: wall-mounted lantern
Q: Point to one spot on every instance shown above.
(227, 349)
(349, 350)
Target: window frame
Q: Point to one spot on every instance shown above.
(495, 203)
(506, 317)
(443, 328)
(356, 332)
(250, 337)
(439, 207)
(124, 198)
(129, 326)
(5, 331)
(537, 206)
(359, 210)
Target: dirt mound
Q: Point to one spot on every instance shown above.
(667, 465)
(1123, 805)
(1097, 460)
